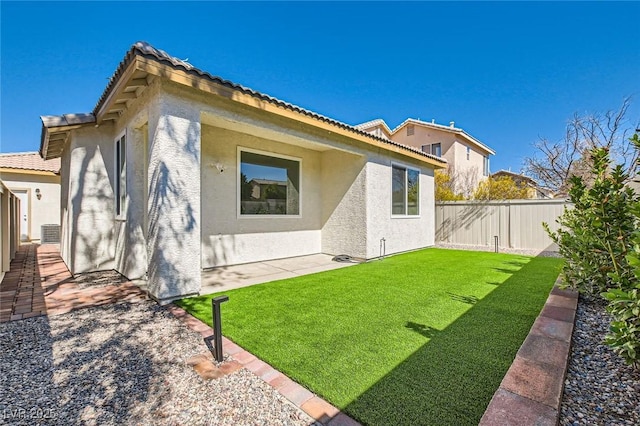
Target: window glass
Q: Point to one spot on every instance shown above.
(436, 149)
(121, 175)
(405, 195)
(486, 166)
(399, 190)
(269, 185)
(413, 191)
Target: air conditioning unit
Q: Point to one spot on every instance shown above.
(50, 234)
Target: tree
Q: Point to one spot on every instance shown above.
(445, 189)
(553, 165)
(500, 188)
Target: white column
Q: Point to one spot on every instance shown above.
(173, 244)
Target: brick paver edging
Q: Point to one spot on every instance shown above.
(313, 405)
(531, 391)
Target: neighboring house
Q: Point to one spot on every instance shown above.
(153, 179)
(467, 157)
(534, 190)
(36, 183)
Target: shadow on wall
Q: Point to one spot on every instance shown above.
(469, 214)
(171, 217)
(92, 212)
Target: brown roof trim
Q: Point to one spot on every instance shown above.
(145, 50)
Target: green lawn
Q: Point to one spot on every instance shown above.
(419, 338)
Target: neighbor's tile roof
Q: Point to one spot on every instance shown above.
(373, 123)
(29, 161)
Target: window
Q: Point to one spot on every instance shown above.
(405, 191)
(410, 130)
(426, 148)
(121, 174)
(436, 149)
(468, 153)
(485, 167)
(268, 185)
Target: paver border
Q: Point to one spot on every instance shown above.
(531, 391)
(316, 407)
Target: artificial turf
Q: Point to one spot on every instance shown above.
(418, 338)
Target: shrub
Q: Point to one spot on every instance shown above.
(595, 235)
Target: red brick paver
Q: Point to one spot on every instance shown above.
(39, 283)
(323, 412)
(531, 391)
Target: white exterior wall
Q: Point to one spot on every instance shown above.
(344, 207)
(401, 233)
(173, 245)
(228, 239)
(87, 201)
(131, 230)
(46, 210)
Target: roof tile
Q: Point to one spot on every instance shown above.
(29, 161)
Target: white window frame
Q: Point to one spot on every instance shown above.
(486, 169)
(120, 176)
(406, 185)
(468, 153)
(239, 214)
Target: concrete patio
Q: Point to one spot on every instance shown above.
(230, 277)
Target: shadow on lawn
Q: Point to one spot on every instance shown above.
(422, 329)
(470, 300)
(446, 382)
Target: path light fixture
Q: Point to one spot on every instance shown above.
(217, 326)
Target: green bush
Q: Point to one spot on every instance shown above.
(624, 306)
(594, 235)
(600, 242)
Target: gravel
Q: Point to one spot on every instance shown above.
(123, 364)
(541, 253)
(98, 279)
(600, 389)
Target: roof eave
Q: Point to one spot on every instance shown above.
(55, 132)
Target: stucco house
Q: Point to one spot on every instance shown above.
(152, 179)
(467, 158)
(533, 189)
(36, 183)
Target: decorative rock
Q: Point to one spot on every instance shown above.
(599, 387)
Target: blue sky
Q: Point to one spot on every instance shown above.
(507, 73)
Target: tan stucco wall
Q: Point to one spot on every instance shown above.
(228, 239)
(43, 211)
(401, 233)
(454, 149)
(87, 201)
(189, 221)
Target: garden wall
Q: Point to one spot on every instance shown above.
(517, 223)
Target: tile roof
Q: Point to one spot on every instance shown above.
(29, 161)
(146, 50)
(445, 128)
(373, 123)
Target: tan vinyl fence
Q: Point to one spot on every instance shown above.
(516, 223)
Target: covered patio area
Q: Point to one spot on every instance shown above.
(230, 277)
